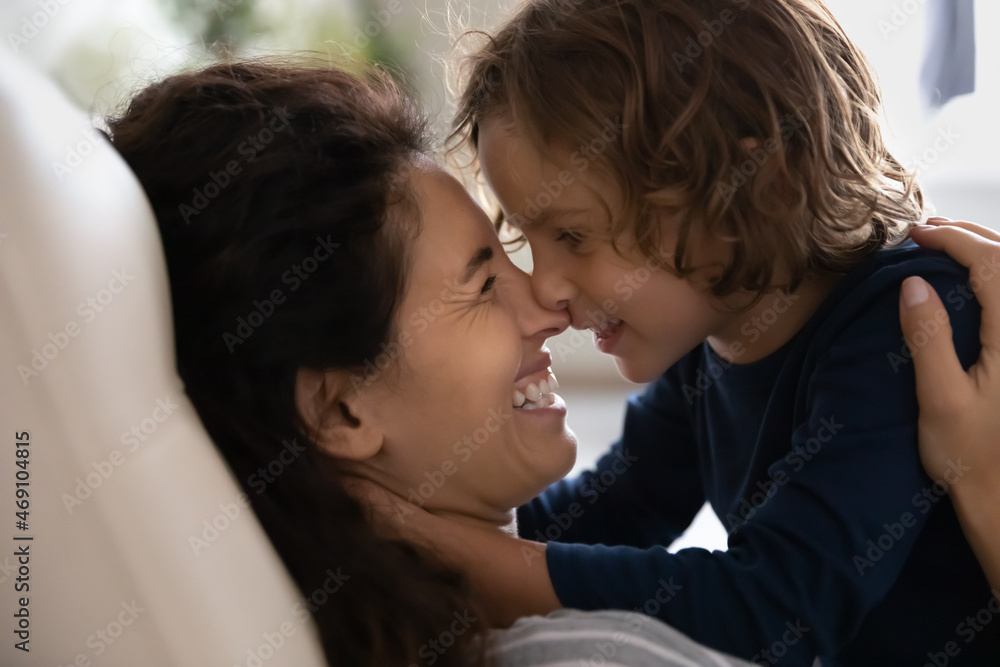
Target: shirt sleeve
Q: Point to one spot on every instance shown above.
(801, 568)
(645, 490)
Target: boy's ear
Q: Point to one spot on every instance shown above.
(337, 415)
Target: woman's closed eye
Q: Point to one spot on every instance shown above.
(488, 285)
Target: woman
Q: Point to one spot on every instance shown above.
(331, 286)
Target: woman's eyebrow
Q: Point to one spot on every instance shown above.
(479, 258)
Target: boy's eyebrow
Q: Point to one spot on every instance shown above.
(479, 258)
(544, 217)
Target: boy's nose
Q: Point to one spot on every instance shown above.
(551, 290)
(538, 319)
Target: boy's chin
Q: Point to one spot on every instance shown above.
(637, 371)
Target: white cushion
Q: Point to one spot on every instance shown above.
(86, 356)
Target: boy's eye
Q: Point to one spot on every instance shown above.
(570, 238)
(488, 285)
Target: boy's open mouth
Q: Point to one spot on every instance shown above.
(606, 336)
(607, 330)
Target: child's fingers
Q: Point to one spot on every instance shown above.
(941, 382)
(982, 257)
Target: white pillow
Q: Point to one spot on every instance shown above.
(124, 566)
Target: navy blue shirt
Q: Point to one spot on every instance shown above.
(840, 546)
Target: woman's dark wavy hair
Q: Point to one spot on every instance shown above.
(251, 166)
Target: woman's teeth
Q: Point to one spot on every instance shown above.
(536, 395)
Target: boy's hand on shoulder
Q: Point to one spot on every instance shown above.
(509, 575)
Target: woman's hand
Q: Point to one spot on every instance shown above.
(959, 422)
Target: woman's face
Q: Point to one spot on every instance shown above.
(470, 346)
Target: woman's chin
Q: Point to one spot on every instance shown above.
(553, 457)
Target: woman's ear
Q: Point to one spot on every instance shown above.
(336, 415)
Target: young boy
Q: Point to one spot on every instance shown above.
(704, 184)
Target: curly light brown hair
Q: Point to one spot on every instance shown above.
(755, 123)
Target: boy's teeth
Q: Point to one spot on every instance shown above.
(518, 399)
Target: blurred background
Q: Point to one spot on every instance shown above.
(102, 51)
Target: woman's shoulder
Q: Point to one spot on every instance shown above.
(599, 637)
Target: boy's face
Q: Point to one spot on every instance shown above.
(640, 313)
